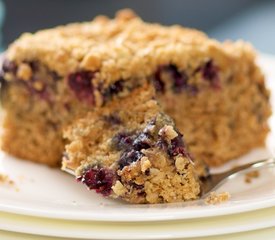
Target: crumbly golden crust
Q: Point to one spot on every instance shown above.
(122, 47)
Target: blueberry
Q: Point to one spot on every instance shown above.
(179, 78)
(81, 84)
(177, 146)
(113, 89)
(122, 140)
(158, 83)
(129, 157)
(116, 87)
(9, 66)
(112, 119)
(34, 65)
(141, 142)
(210, 73)
(99, 179)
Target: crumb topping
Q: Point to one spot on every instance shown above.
(118, 48)
(217, 198)
(251, 175)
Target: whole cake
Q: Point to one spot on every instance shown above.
(130, 149)
(213, 91)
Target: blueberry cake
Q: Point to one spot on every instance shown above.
(213, 91)
(130, 149)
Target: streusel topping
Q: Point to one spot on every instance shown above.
(118, 48)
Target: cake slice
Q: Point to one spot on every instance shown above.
(130, 149)
(215, 92)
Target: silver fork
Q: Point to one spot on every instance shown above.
(214, 181)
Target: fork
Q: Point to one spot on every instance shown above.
(213, 181)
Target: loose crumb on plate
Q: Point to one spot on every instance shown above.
(217, 198)
(5, 179)
(251, 175)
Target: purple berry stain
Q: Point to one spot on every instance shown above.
(210, 73)
(157, 81)
(112, 119)
(9, 67)
(122, 141)
(129, 157)
(98, 179)
(177, 146)
(81, 84)
(179, 78)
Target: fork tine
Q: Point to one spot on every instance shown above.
(215, 180)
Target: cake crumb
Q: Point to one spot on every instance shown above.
(119, 189)
(5, 179)
(217, 198)
(251, 175)
(168, 132)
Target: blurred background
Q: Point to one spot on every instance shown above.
(251, 20)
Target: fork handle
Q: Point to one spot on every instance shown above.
(250, 166)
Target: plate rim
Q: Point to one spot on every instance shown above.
(257, 220)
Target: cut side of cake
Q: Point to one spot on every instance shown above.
(131, 150)
(215, 92)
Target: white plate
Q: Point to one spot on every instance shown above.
(45, 192)
(236, 223)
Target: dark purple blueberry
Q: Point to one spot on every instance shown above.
(116, 87)
(177, 146)
(158, 83)
(141, 142)
(150, 127)
(129, 157)
(162, 144)
(99, 179)
(55, 76)
(9, 66)
(210, 72)
(34, 65)
(2, 79)
(112, 119)
(122, 141)
(113, 89)
(179, 78)
(136, 186)
(147, 172)
(81, 84)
